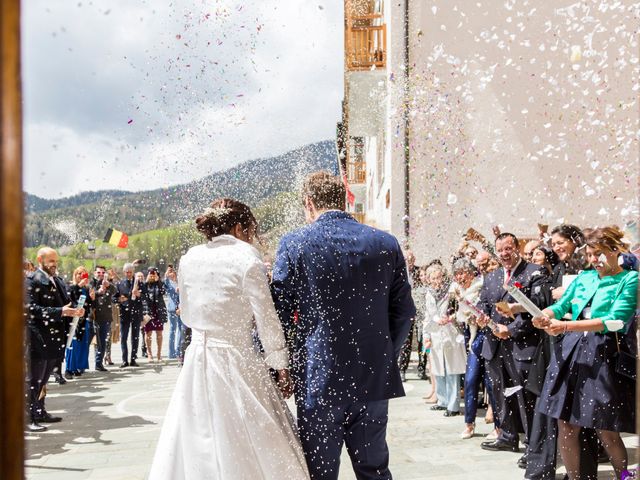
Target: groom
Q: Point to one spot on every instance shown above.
(344, 300)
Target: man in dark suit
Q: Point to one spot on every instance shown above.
(49, 311)
(103, 306)
(347, 283)
(129, 295)
(510, 350)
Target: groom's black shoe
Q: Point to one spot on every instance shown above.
(499, 446)
(522, 462)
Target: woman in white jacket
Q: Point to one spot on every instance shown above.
(227, 419)
(448, 355)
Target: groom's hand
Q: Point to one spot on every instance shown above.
(284, 383)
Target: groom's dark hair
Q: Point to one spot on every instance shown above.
(326, 191)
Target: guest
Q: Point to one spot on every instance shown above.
(103, 313)
(114, 334)
(510, 347)
(28, 267)
(77, 355)
(176, 328)
(567, 242)
(486, 263)
(49, 309)
(545, 257)
(565, 258)
(471, 252)
(582, 387)
(405, 355)
(467, 288)
(465, 250)
(447, 343)
(129, 296)
(157, 311)
(140, 280)
(529, 247)
(418, 292)
(420, 303)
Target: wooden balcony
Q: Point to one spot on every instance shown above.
(365, 46)
(356, 172)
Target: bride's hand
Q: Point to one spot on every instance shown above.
(284, 383)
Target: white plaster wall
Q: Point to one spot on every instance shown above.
(507, 127)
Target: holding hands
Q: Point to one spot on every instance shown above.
(284, 383)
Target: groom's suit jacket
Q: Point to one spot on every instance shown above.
(344, 300)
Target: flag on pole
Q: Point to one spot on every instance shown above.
(351, 198)
(117, 238)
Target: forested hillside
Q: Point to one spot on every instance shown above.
(258, 183)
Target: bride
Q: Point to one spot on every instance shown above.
(227, 418)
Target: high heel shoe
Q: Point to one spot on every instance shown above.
(468, 432)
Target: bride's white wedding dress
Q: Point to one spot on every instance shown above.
(226, 419)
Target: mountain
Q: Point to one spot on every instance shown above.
(89, 214)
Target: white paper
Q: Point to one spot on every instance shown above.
(522, 299)
(568, 280)
(614, 325)
(74, 322)
(511, 390)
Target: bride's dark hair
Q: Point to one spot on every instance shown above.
(222, 215)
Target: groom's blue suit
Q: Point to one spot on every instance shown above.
(347, 283)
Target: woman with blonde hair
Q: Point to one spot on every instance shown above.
(589, 383)
(77, 355)
(448, 353)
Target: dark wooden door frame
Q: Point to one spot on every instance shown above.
(11, 227)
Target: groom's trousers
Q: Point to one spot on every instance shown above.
(361, 425)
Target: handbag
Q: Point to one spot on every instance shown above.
(626, 363)
(538, 370)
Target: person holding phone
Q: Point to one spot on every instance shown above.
(103, 314)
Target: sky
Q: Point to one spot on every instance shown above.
(135, 95)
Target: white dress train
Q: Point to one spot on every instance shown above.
(226, 419)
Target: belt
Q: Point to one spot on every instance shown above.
(208, 340)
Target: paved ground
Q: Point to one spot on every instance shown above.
(112, 421)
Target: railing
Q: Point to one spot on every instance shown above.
(365, 46)
(356, 172)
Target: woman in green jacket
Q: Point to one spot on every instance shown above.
(582, 387)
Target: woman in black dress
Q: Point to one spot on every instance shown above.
(584, 386)
(157, 310)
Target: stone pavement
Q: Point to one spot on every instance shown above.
(112, 421)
